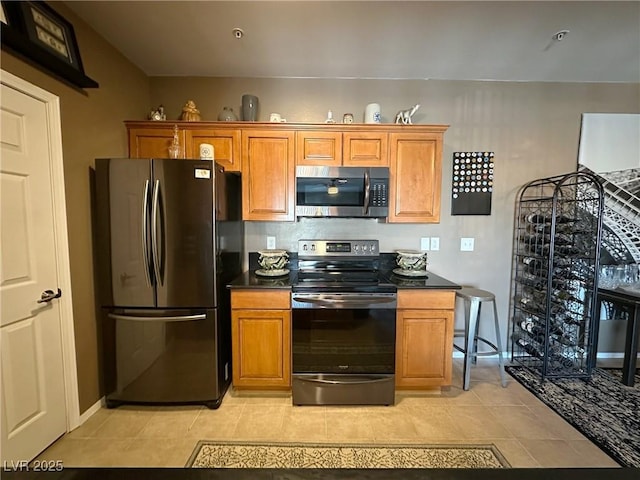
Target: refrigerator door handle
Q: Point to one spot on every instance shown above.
(155, 251)
(181, 318)
(145, 232)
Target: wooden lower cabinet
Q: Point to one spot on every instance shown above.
(261, 339)
(424, 338)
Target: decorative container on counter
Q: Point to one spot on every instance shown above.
(272, 263)
(412, 263)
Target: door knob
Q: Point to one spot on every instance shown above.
(49, 295)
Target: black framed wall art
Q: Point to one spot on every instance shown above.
(472, 183)
(37, 32)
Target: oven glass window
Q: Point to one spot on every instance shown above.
(328, 192)
(344, 341)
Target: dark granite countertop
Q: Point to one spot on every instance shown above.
(431, 281)
(249, 279)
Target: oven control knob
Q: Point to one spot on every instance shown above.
(313, 247)
(373, 247)
(365, 248)
(305, 247)
(356, 247)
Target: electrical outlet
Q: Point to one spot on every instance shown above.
(466, 244)
(424, 244)
(435, 243)
(271, 242)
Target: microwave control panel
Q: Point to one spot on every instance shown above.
(379, 194)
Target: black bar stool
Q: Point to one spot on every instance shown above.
(473, 299)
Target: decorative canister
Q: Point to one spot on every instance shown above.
(372, 113)
(249, 108)
(412, 263)
(206, 151)
(272, 263)
(347, 118)
(227, 115)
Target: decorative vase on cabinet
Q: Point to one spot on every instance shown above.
(227, 115)
(249, 108)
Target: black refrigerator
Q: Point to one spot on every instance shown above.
(168, 239)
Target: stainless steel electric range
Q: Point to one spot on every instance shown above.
(343, 325)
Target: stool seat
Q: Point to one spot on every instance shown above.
(473, 299)
(475, 294)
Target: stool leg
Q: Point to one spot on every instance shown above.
(472, 331)
(465, 366)
(503, 376)
(474, 359)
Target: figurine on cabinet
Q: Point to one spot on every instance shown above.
(190, 113)
(158, 115)
(404, 116)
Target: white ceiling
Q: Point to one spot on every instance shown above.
(477, 40)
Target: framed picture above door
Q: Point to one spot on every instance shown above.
(38, 33)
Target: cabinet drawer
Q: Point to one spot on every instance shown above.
(427, 299)
(261, 299)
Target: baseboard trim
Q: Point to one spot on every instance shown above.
(91, 410)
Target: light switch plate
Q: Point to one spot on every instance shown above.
(424, 244)
(271, 242)
(466, 244)
(435, 243)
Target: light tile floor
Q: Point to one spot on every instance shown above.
(526, 432)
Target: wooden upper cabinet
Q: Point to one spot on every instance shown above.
(268, 174)
(365, 149)
(416, 177)
(225, 141)
(153, 142)
(318, 148)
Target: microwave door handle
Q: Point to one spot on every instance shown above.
(367, 191)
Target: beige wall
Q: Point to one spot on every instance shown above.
(91, 127)
(533, 128)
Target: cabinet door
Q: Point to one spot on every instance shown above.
(318, 148)
(268, 175)
(424, 348)
(365, 149)
(261, 348)
(153, 142)
(416, 177)
(226, 145)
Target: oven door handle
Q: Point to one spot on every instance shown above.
(345, 379)
(345, 301)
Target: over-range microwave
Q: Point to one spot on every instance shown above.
(342, 191)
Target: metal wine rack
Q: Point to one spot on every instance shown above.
(555, 275)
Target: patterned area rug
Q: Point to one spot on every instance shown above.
(604, 409)
(285, 455)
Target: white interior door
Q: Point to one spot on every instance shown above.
(34, 403)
